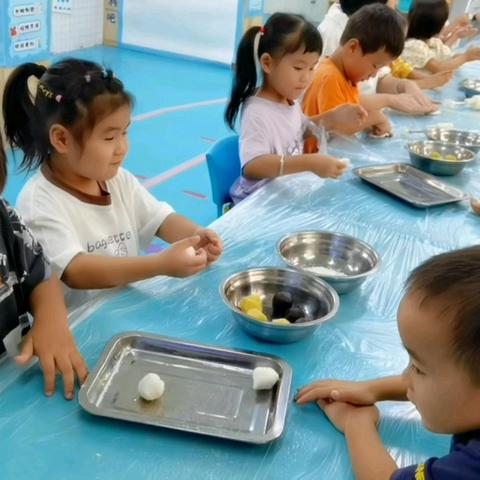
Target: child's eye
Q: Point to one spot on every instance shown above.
(298, 69)
(109, 139)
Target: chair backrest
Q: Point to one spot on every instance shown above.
(223, 161)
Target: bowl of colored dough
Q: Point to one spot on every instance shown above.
(278, 304)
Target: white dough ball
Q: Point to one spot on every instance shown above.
(264, 378)
(151, 387)
(191, 251)
(346, 161)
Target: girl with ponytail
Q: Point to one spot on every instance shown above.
(92, 216)
(281, 58)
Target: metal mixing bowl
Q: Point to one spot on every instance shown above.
(461, 138)
(338, 252)
(471, 87)
(421, 157)
(318, 299)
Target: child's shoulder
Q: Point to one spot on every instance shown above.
(463, 462)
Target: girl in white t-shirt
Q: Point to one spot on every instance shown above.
(423, 47)
(92, 217)
(284, 53)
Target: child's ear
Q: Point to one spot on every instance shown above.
(60, 138)
(266, 61)
(353, 46)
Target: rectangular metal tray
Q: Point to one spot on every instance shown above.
(208, 390)
(410, 184)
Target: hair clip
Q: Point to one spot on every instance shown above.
(88, 78)
(59, 98)
(262, 30)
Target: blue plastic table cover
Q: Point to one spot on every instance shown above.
(51, 438)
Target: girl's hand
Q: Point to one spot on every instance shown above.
(327, 167)
(211, 243)
(184, 258)
(53, 344)
(357, 393)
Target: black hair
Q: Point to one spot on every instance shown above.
(3, 166)
(376, 26)
(349, 7)
(72, 92)
(454, 279)
(426, 18)
(283, 33)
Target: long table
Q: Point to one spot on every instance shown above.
(51, 438)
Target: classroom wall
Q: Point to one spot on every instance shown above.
(203, 29)
(80, 26)
(313, 10)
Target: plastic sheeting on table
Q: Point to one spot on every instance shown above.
(52, 438)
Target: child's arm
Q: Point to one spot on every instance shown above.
(403, 95)
(370, 459)
(50, 339)
(430, 80)
(435, 66)
(346, 116)
(270, 166)
(357, 393)
(88, 271)
(176, 227)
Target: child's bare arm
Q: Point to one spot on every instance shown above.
(88, 271)
(51, 341)
(344, 116)
(269, 166)
(370, 459)
(435, 66)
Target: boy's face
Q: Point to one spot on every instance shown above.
(290, 75)
(359, 66)
(443, 393)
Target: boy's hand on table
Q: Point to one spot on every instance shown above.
(344, 414)
(357, 393)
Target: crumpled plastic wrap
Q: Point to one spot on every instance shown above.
(52, 438)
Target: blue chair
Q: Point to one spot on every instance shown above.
(223, 161)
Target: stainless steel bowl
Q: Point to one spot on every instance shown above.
(461, 138)
(422, 156)
(352, 258)
(471, 87)
(318, 299)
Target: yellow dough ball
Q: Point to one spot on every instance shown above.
(252, 301)
(450, 157)
(281, 321)
(257, 315)
(436, 155)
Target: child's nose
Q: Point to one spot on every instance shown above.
(122, 146)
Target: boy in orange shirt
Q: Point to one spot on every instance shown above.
(372, 39)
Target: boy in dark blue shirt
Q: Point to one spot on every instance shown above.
(439, 323)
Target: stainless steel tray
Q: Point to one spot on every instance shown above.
(410, 184)
(208, 390)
